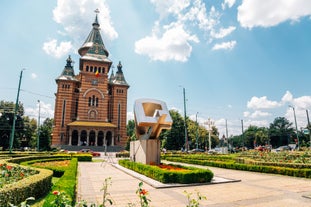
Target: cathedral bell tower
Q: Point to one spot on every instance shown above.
(93, 111)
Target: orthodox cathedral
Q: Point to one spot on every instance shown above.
(91, 107)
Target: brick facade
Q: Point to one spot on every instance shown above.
(91, 107)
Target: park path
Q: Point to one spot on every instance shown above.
(254, 189)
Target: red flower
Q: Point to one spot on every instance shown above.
(143, 192)
(55, 192)
(9, 167)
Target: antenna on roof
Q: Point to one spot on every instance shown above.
(96, 11)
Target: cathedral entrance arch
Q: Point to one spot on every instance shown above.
(92, 138)
(100, 139)
(109, 138)
(83, 138)
(74, 137)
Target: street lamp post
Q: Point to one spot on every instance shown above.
(38, 128)
(185, 123)
(197, 132)
(210, 124)
(295, 125)
(309, 127)
(15, 111)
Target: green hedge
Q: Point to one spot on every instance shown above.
(67, 184)
(190, 175)
(58, 171)
(80, 157)
(34, 186)
(306, 173)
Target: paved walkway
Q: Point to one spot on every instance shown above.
(254, 189)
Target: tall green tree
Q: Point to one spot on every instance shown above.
(45, 134)
(6, 122)
(174, 138)
(30, 135)
(130, 132)
(281, 132)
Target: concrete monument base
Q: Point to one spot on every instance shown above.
(145, 151)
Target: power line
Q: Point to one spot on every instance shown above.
(38, 94)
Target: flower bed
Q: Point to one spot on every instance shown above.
(32, 185)
(170, 173)
(13, 173)
(250, 162)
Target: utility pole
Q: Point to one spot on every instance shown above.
(15, 111)
(228, 143)
(38, 129)
(309, 127)
(209, 123)
(295, 125)
(242, 133)
(197, 132)
(185, 124)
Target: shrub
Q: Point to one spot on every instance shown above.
(33, 186)
(188, 175)
(66, 184)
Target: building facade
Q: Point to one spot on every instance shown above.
(91, 107)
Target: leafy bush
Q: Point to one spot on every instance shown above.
(66, 184)
(242, 165)
(36, 185)
(188, 175)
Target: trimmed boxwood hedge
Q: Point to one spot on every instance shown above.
(34, 186)
(297, 172)
(67, 183)
(190, 175)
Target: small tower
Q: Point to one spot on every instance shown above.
(118, 90)
(65, 103)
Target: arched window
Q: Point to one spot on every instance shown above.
(87, 68)
(91, 69)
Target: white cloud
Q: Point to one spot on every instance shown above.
(52, 48)
(256, 13)
(180, 24)
(130, 116)
(228, 3)
(34, 76)
(165, 8)
(224, 46)
(262, 103)
(256, 114)
(173, 45)
(46, 111)
(288, 97)
(223, 32)
(75, 16)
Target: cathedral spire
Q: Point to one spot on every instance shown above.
(94, 45)
(68, 72)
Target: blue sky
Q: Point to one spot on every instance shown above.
(237, 60)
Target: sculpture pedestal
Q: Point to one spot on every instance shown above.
(145, 151)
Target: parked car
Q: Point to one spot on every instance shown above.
(215, 151)
(197, 150)
(282, 148)
(94, 154)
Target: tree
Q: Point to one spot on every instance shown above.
(130, 131)
(6, 123)
(30, 135)
(174, 138)
(45, 134)
(281, 132)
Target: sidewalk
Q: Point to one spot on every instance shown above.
(255, 189)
